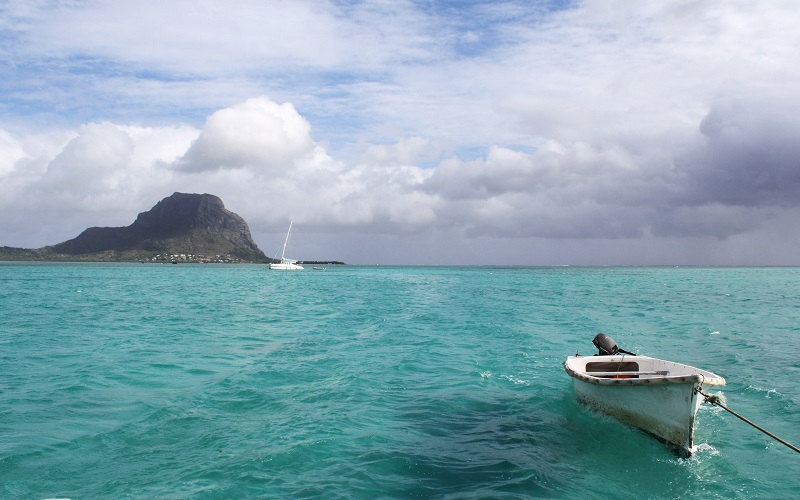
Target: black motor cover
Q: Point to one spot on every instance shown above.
(605, 344)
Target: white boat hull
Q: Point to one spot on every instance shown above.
(659, 397)
(286, 266)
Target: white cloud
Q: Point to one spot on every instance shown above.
(407, 151)
(10, 151)
(210, 38)
(257, 133)
(100, 174)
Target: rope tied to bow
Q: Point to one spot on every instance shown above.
(715, 400)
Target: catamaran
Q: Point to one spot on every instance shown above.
(286, 264)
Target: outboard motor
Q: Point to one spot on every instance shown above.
(606, 346)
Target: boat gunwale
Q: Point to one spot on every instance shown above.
(701, 378)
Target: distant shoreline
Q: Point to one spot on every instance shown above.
(14, 254)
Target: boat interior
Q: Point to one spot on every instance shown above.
(628, 367)
(613, 369)
(611, 362)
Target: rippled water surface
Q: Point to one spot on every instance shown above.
(231, 381)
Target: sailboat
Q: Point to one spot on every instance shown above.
(286, 264)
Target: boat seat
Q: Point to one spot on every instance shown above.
(627, 374)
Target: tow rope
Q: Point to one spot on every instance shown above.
(714, 400)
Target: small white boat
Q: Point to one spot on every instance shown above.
(657, 396)
(286, 264)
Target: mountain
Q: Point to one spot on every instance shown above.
(182, 224)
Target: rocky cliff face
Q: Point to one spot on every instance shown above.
(196, 224)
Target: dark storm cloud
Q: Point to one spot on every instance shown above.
(749, 156)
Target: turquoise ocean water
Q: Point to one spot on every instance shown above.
(231, 381)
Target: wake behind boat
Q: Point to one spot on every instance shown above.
(286, 264)
(657, 396)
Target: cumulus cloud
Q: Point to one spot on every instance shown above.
(257, 134)
(98, 174)
(261, 155)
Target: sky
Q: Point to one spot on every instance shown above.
(553, 132)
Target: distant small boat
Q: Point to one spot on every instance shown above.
(318, 268)
(657, 396)
(286, 264)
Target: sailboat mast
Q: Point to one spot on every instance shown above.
(286, 241)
